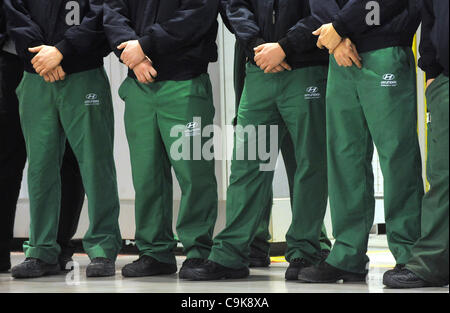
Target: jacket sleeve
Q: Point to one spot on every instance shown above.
(2, 24)
(22, 29)
(299, 38)
(243, 21)
(223, 5)
(117, 23)
(189, 24)
(324, 11)
(88, 36)
(428, 54)
(352, 18)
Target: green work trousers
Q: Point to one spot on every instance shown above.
(430, 253)
(292, 102)
(375, 104)
(80, 110)
(165, 124)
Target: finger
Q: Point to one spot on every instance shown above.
(355, 60)
(56, 75)
(278, 69)
(153, 72)
(35, 59)
(348, 61)
(286, 66)
(148, 77)
(35, 49)
(258, 57)
(61, 73)
(259, 48)
(318, 31)
(52, 78)
(356, 52)
(269, 69)
(39, 70)
(46, 78)
(319, 44)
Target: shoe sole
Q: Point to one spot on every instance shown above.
(130, 273)
(344, 278)
(92, 273)
(238, 274)
(291, 277)
(395, 284)
(36, 274)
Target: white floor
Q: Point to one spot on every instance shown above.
(261, 281)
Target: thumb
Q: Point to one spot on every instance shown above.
(317, 31)
(123, 45)
(259, 48)
(35, 49)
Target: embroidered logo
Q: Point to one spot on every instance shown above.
(92, 99)
(389, 81)
(312, 93)
(192, 129)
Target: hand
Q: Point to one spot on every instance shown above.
(145, 72)
(346, 54)
(47, 59)
(132, 54)
(430, 81)
(268, 56)
(55, 75)
(328, 37)
(284, 66)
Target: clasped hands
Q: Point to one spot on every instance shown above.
(271, 58)
(47, 63)
(134, 57)
(343, 49)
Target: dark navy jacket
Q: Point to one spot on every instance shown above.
(399, 20)
(2, 25)
(179, 36)
(43, 22)
(288, 22)
(434, 38)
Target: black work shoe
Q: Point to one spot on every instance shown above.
(295, 266)
(33, 268)
(213, 271)
(396, 269)
(189, 263)
(101, 267)
(259, 262)
(328, 274)
(148, 266)
(405, 279)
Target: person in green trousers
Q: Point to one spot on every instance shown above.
(429, 263)
(260, 247)
(169, 104)
(371, 99)
(65, 94)
(284, 91)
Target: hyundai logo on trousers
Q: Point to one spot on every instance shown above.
(312, 93)
(389, 80)
(92, 99)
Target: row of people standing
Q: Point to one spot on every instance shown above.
(329, 111)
